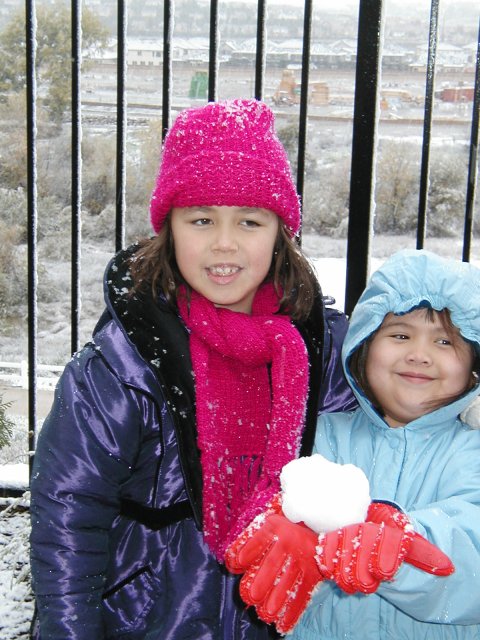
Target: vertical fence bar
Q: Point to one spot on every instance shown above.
(30, 36)
(167, 65)
(121, 124)
(427, 125)
(360, 224)
(213, 52)
(261, 57)
(76, 160)
(473, 159)
(304, 94)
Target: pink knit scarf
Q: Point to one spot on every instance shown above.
(251, 384)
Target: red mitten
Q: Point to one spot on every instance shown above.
(281, 572)
(422, 553)
(240, 555)
(360, 556)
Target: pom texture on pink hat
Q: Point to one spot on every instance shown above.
(225, 154)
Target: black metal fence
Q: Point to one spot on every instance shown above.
(363, 151)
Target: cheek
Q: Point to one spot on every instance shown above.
(374, 376)
(377, 366)
(457, 372)
(181, 252)
(263, 255)
(186, 259)
(185, 247)
(263, 263)
(375, 359)
(461, 375)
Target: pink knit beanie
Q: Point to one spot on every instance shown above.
(227, 154)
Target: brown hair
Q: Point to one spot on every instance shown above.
(358, 360)
(154, 267)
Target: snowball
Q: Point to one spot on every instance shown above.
(323, 494)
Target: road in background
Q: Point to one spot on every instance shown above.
(18, 398)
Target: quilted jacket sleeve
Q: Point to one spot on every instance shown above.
(85, 452)
(451, 521)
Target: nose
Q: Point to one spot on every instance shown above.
(418, 353)
(224, 239)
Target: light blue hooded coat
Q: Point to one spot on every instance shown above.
(430, 468)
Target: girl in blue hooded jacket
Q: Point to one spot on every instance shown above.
(411, 358)
(205, 375)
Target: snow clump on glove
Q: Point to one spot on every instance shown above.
(324, 495)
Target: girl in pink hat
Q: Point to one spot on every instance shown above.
(204, 377)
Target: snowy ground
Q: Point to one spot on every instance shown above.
(16, 605)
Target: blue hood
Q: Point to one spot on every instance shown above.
(409, 279)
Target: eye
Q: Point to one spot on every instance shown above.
(201, 222)
(249, 222)
(444, 341)
(399, 336)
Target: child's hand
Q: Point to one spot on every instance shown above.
(278, 557)
(361, 556)
(421, 553)
(249, 547)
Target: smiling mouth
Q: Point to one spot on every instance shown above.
(416, 377)
(223, 270)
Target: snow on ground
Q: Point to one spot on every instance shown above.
(16, 604)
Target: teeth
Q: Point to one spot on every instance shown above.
(223, 271)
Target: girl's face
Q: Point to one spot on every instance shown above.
(224, 253)
(413, 366)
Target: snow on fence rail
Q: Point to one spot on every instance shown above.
(20, 379)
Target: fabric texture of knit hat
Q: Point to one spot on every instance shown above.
(225, 154)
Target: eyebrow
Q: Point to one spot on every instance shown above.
(402, 325)
(207, 208)
(395, 324)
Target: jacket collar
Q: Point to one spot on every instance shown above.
(152, 333)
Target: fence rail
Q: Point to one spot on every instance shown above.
(21, 379)
(363, 153)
